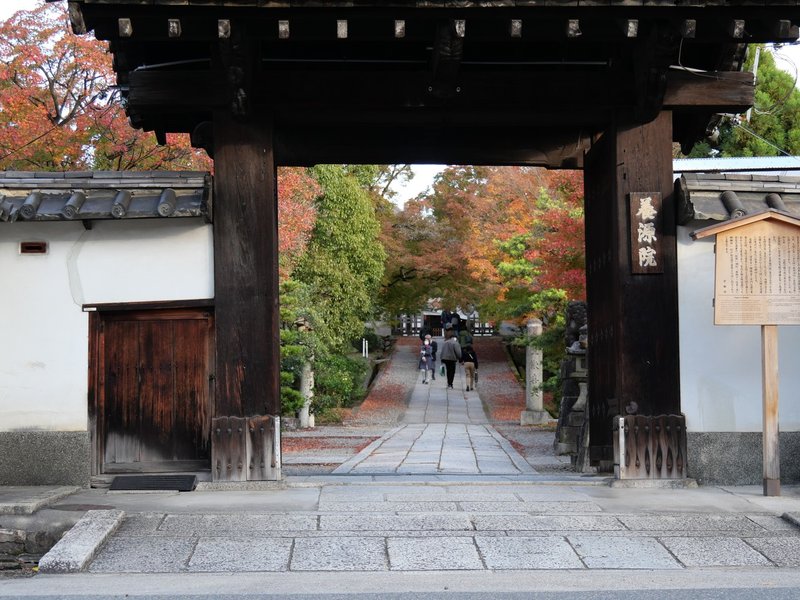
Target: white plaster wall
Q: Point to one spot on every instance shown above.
(43, 329)
(721, 365)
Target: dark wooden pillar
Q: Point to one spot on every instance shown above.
(633, 316)
(246, 302)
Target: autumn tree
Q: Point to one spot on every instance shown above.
(59, 109)
(507, 240)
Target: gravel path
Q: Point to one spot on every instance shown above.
(388, 397)
(499, 389)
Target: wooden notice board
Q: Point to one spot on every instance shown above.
(757, 282)
(757, 278)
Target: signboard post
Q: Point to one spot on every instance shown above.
(757, 282)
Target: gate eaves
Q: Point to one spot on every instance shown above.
(507, 82)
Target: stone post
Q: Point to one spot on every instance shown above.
(307, 391)
(534, 412)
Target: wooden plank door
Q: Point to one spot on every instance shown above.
(156, 396)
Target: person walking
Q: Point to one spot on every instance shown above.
(425, 360)
(470, 361)
(451, 354)
(434, 349)
(455, 321)
(445, 320)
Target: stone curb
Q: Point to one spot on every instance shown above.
(663, 484)
(240, 486)
(31, 506)
(350, 464)
(519, 461)
(77, 548)
(791, 517)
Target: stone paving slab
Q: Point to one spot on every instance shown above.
(600, 552)
(433, 554)
(784, 552)
(440, 494)
(429, 522)
(685, 522)
(140, 524)
(543, 552)
(714, 552)
(240, 554)
(339, 554)
(530, 507)
(772, 523)
(546, 523)
(371, 507)
(143, 555)
(203, 524)
(26, 500)
(554, 494)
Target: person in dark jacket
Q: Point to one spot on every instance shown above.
(451, 354)
(445, 319)
(470, 361)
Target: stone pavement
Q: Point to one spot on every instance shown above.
(445, 431)
(444, 495)
(387, 524)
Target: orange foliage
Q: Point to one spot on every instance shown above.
(58, 108)
(449, 243)
(296, 214)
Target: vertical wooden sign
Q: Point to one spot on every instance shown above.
(644, 210)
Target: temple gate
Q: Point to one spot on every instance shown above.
(602, 85)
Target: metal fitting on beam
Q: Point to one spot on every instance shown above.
(284, 30)
(125, 27)
(174, 28)
(736, 28)
(223, 29)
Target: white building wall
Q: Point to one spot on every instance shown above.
(721, 365)
(43, 329)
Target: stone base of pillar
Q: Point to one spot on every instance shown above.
(534, 417)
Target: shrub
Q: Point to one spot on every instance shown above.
(338, 382)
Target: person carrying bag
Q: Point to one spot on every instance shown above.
(451, 354)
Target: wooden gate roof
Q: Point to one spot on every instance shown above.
(495, 82)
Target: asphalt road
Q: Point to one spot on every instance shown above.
(695, 584)
(693, 594)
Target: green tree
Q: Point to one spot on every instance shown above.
(344, 260)
(774, 121)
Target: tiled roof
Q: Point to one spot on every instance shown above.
(97, 195)
(736, 163)
(723, 196)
